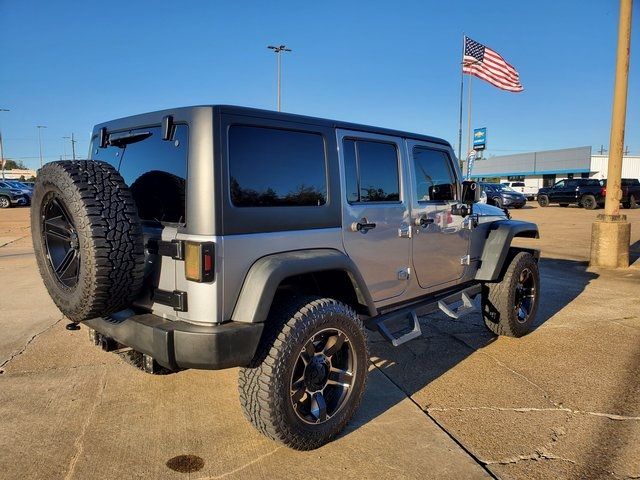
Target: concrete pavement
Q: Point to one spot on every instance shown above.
(562, 402)
(69, 410)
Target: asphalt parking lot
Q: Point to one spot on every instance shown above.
(562, 402)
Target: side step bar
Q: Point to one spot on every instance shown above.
(402, 325)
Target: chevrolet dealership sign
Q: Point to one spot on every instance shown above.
(479, 138)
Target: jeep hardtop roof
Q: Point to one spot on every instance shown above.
(146, 118)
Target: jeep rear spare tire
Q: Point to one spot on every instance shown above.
(87, 238)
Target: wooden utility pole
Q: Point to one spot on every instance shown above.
(611, 233)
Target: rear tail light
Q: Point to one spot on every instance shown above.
(199, 261)
(603, 191)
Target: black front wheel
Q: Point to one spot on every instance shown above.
(543, 200)
(509, 307)
(309, 373)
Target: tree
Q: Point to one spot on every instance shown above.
(14, 165)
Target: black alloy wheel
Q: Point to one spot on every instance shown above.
(322, 376)
(61, 241)
(525, 295)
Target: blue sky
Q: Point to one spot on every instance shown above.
(70, 65)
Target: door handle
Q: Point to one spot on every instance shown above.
(423, 221)
(363, 226)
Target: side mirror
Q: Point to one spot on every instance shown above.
(461, 210)
(441, 192)
(470, 192)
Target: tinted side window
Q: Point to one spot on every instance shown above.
(155, 169)
(570, 183)
(434, 180)
(378, 164)
(371, 171)
(271, 167)
(560, 184)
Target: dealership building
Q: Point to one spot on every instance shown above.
(543, 169)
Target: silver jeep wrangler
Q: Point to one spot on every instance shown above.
(213, 237)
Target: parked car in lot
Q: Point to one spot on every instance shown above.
(27, 192)
(584, 192)
(630, 192)
(10, 196)
(502, 196)
(520, 187)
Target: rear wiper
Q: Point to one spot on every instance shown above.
(123, 139)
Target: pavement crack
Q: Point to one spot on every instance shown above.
(242, 467)
(79, 441)
(536, 456)
(33, 337)
(610, 416)
(435, 420)
(13, 241)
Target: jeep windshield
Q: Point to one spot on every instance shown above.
(155, 169)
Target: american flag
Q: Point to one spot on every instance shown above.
(489, 65)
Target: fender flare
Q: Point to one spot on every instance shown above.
(266, 274)
(497, 245)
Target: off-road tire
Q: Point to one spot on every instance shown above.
(589, 202)
(632, 204)
(5, 202)
(498, 299)
(264, 386)
(109, 237)
(543, 200)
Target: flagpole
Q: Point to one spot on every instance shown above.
(460, 119)
(469, 121)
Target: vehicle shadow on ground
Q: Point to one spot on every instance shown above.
(634, 252)
(446, 343)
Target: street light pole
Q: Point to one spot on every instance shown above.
(40, 127)
(2, 162)
(278, 50)
(64, 147)
(73, 147)
(611, 232)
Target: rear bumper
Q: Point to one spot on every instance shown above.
(177, 344)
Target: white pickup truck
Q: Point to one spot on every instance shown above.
(530, 192)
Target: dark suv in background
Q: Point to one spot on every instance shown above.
(503, 196)
(630, 192)
(584, 192)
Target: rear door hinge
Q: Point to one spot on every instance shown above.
(173, 249)
(175, 299)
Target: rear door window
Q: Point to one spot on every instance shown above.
(154, 169)
(371, 171)
(271, 167)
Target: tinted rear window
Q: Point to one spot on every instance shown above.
(371, 171)
(155, 170)
(270, 167)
